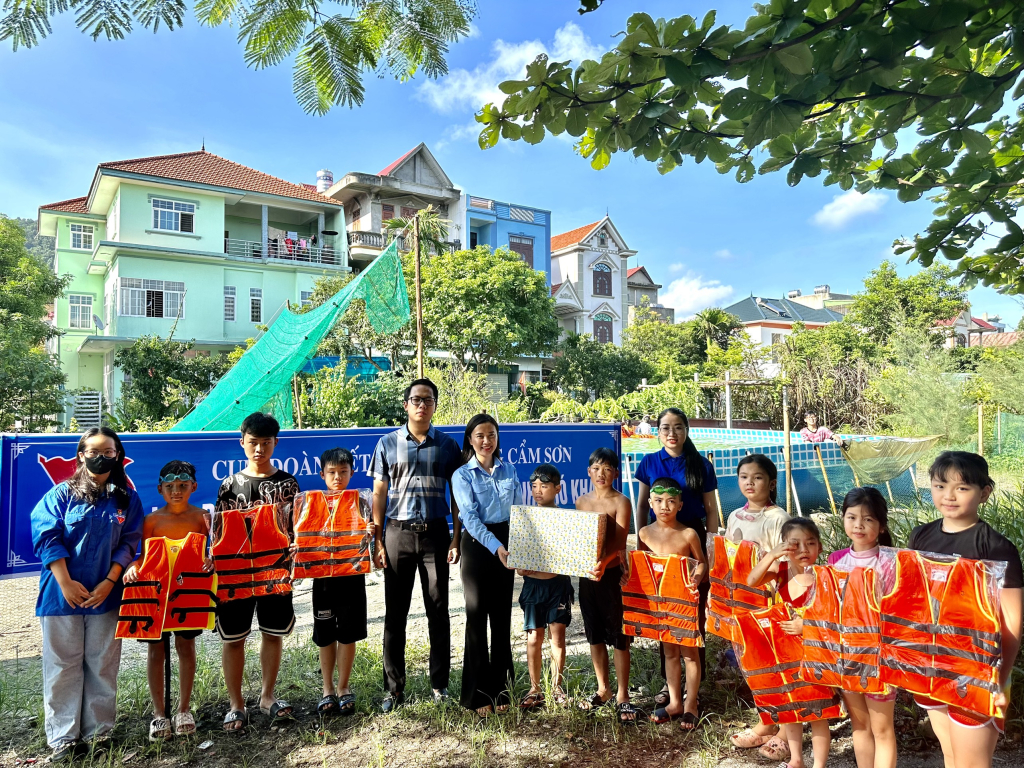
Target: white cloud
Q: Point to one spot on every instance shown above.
(724, 253)
(677, 267)
(463, 88)
(692, 293)
(848, 206)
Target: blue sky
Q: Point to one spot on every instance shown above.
(72, 103)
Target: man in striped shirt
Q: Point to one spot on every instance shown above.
(411, 469)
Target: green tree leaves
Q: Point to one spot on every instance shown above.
(827, 86)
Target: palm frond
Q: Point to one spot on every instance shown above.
(151, 13)
(26, 22)
(110, 18)
(273, 29)
(327, 68)
(213, 13)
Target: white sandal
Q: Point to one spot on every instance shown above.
(160, 728)
(184, 724)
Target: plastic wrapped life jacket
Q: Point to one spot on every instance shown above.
(332, 536)
(172, 592)
(729, 565)
(842, 631)
(941, 630)
(770, 660)
(660, 599)
(250, 553)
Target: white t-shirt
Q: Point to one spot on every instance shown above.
(764, 528)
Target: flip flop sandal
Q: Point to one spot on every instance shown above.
(328, 705)
(160, 728)
(661, 698)
(276, 709)
(660, 716)
(775, 749)
(689, 722)
(751, 739)
(561, 699)
(532, 701)
(347, 704)
(594, 703)
(236, 716)
(184, 724)
(627, 713)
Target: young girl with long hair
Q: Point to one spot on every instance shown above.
(85, 531)
(485, 488)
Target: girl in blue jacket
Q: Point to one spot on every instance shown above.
(85, 531)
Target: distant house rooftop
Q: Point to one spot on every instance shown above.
(759, 309)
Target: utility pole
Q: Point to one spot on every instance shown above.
(419, 298)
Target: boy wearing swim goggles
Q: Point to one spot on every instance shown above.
(175, 520)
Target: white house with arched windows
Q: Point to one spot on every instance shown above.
(588, 280)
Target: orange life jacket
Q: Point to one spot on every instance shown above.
(660, 599)
(842, 633)
(173, 591)
(770, 661)
(729, 565)
(941, 631)
(332, 535)
(250, 553)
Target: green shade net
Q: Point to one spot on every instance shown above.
(876, 461)
(262, 379)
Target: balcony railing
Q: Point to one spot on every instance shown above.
(373, 240)
(481, 202)
(294, 251)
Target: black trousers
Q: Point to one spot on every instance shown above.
(488, 586)
(700, 526)
(409, 553)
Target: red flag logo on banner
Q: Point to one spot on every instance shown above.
(59, 469)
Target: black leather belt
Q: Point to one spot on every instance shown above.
(417, 526)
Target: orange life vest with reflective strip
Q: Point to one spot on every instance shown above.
(770, 661)
(172, 593)
(250, 553)
(941, 632)
(332, 536)
(729, 566)
(842, 633)
(660, 599)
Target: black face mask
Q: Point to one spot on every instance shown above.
(100, 465)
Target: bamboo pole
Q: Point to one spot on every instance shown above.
(999, 430)
(297, 399)
(728, 400)
(824, 474)
(787, 453)
(419, 297)
(981, 429)
(718, 499)
(891, 499)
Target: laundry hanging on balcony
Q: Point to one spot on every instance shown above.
(262, 379)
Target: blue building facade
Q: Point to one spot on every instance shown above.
(520, 228)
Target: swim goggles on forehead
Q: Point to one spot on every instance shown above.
(171, 478)
(670, 491)
(542, 477)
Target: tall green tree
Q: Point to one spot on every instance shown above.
(332, 50)
(32, 378)
(672, 349)
(919, 97)
(40, 246)
(715, 326)
(890, 302)
(585, 367)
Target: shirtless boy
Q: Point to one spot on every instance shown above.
(601, 598)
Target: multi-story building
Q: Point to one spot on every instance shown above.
(823, 298)
(416, 180)
(190, 242)
(640, 286)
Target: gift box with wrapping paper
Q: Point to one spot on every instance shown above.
(553, 540)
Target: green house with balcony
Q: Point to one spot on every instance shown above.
(190, 242)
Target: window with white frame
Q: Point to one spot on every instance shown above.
(305, 298)
(174, 216)
(255, 305)
(229, 302)
(79, 311)
(81, 237)
(151, 298)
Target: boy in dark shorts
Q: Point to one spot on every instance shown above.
(339, 604)
(259, 483)
(601, 600)
(175, 520)
(546, 600)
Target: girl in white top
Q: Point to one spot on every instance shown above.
(760, 520)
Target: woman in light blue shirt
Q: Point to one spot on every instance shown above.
(485, 488)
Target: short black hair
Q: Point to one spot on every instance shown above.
(972, 468)
(604, 456)
(810, 413)
(668, 482)
(547, 470)
(338, 457)
(178, 467)
(260, 425)
(420, 383)
(804, 524)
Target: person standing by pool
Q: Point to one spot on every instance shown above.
(813, 433)
(680, 460)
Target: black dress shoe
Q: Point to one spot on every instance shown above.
(391, 700)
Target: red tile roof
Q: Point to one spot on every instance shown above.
(74, 205)
(571, 237)
(397, 162)
(1006, 339)
(983, 324)
(555, 287)
(946, 322)
(633, 271)
(207, 168)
